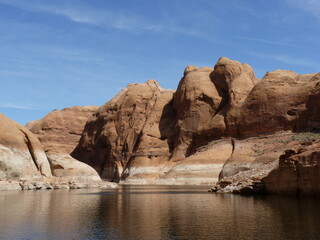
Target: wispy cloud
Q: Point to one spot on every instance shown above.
(289, 60)
(275, 42)
(99, 17)
(311, 6)
(17, 106)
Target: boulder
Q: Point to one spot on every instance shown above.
(298, 172)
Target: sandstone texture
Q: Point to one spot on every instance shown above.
(61, 130)
(298, 171)
(21, 154)
(222, 124)
(131, 135)
(221, 127)
(59, 133)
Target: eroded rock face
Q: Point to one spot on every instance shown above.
(278, 102)
(282, 163)
(207, 100)
(298, 172)
(135, 125)
(222, 123)
(21, 153)
(59, 133)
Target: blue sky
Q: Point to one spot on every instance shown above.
(57, 54)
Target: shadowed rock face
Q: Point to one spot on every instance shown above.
(221, 123)
(21, 153)
(59, 133)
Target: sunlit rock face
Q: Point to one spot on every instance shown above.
(61, 130)
(133, 129)
(59, 133)
(207, 101)
(221, 123)
(21, 154)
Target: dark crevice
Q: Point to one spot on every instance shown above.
(125, 172)
(205, 98)
(233, 144)
(224, 101)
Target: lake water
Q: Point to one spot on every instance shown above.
(155, 212)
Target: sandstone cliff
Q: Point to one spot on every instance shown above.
(26, 164)
(59, 133)
(131, 135)
(221, 123)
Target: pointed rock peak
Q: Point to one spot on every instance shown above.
(154, 83)
(190, 68)
(225, 60)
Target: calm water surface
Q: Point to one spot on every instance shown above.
(155, 212)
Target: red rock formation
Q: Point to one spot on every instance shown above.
(277, 103)
(207, 100)
(61, 130)
(136, 124)
(24, 165)
(222, 122)
(298, 171)
(59, 133)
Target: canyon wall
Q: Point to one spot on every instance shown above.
(27, 163)
(221, 124)
(59, 133)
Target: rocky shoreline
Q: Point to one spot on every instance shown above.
(39, 185)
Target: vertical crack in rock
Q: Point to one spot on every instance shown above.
(125, 172)
(31, 151)
(233, 143)
(233, 146)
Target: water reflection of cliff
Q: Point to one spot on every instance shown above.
(154, 213)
